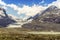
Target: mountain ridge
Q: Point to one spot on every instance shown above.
(5, 20)
(48, 20)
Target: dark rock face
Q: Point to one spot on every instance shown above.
(4, 18)
(48, 20)
(54, 20)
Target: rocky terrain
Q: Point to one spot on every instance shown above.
(48, 20)
(5, 20)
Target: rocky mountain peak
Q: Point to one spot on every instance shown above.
(48, 20)
(52, 7)
(3, 13)
(4, 18)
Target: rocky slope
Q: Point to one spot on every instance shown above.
(5, 20)
(48, 20)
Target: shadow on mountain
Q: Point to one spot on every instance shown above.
(48, 20)
(5, 20)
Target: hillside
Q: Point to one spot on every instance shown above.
(48, 20)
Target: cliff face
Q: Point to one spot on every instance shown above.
(5, 20)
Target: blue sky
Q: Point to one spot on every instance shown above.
(23, 4)
(27, 2)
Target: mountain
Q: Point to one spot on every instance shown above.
(51, 14)
(5, 20)
(34, 17)
(48, 20)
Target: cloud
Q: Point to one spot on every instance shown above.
(2, 2)
(15, 7)
(56, 3)
(31, 11)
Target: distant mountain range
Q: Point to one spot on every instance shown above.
(48, 20)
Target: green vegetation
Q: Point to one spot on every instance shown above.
(21, 34)
(28, 37)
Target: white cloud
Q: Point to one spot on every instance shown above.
(15, 7)
(2, 2)
(29, 11)
(56, 3)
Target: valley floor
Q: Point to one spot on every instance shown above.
(52, 33)
(24, 34)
